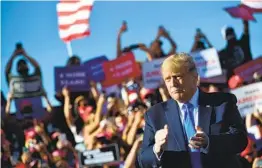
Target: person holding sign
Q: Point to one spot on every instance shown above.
(236, 52)
(193, 129)
(24, 84)
(22, 65)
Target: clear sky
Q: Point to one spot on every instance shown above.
(35, 25)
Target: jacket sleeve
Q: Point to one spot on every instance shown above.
(233, 136)
(147, 157)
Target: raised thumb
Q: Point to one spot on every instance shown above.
(199, 129)
(165, 127)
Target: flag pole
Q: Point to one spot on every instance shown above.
(69, 49)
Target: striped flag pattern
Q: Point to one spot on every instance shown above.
(256, 5)
(73, 19)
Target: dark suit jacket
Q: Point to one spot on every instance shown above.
(218, 117)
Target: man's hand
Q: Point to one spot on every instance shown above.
(160, 140)
(199, 140)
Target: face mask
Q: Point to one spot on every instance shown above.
(85, 112)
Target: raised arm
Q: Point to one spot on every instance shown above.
(196, 45)
(132, 132)
(49, 106)
(131, 157)
(94, 125)
(246, 27)
(165, 34)
(94, 90)
(128, 126)
(10, 97)
(68, 115)
(149, 53)
(10, 63)
(122, 30)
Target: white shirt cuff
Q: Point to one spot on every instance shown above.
(157, 156)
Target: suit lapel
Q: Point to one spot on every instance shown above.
(174, 123)
(204, 111)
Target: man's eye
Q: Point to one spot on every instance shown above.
(167, 79)
(177, 77)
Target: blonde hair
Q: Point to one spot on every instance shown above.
(178, 61)
(78, 99)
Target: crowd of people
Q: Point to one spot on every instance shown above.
(92, 119)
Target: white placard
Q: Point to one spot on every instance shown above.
(207, 63)
(152, 77)
(249, 98)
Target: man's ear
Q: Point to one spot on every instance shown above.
(196, 78)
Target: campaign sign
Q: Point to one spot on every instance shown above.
(249, 98)
(120, 69)
(75, 78)
(95, 69)
(220, 79)
(26, 86)
(207, 63)
(32, 107)
(152, 78)
(105, 155)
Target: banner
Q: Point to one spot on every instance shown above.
(207, 62)
(247, 70)
(120, 69)
(249, 98)
(152, 77)
(32, 106)
(108, 154)
(220, 79)
(95, 68)
(23, 87)
(75, 78)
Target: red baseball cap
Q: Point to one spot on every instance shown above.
(235, 81)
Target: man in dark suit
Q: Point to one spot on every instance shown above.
(193, 129)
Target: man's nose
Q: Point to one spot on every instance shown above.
(174, 82)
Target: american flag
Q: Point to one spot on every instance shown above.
(256, 5)
(73, 19)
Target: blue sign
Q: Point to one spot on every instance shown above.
(95, 68)
(75, 78)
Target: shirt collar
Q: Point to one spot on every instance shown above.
(193, 100)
